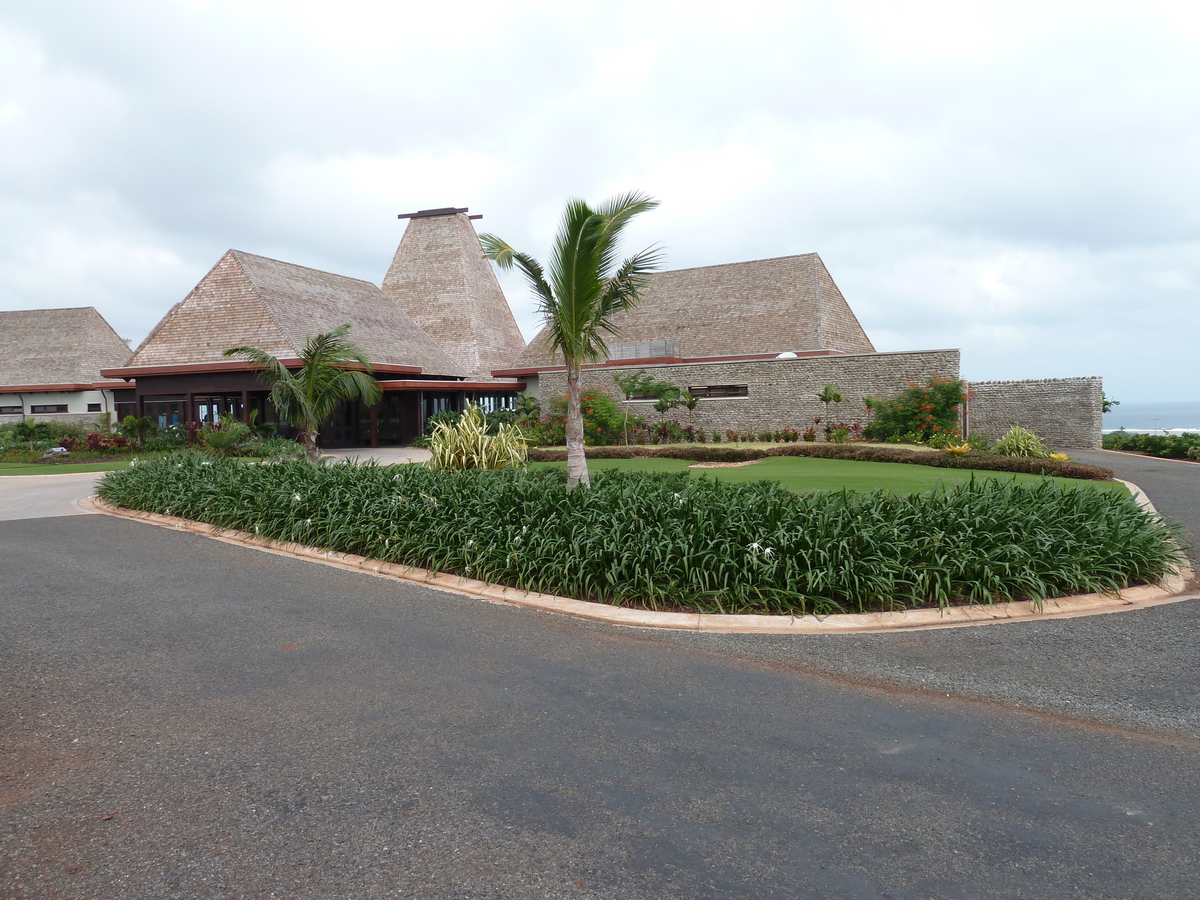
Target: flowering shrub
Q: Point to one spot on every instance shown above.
(603, 421)
(95, 441)
(924, 410)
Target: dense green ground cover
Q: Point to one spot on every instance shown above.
(669, 541)
(802, 474)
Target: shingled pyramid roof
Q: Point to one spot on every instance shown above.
(276, 306)
(756, 307)
(439, 276)
(57, 347)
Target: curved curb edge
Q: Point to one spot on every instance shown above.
(1169, 590)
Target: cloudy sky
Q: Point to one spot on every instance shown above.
(1019, 180)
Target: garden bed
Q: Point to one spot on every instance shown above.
(669, 542)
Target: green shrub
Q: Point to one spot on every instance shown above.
(466, 444)
(1168, 446)
(668, 541)
(1021, 442)
(165, 442)
(224, 437)
(923, 410)
(603, 420)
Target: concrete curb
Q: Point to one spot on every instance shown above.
(1169, 590)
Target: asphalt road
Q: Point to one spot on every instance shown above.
(184, 718)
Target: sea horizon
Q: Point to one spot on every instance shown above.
(1171, 418)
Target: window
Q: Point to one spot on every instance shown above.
(93, 407)
(48, 408)
(12, 410)
(492, 402)
(713, 391)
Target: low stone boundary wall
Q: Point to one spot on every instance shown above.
(1063, 412)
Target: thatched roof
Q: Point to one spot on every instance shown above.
(57, 347)
(789, 303)
(248, 300)
(439, 276)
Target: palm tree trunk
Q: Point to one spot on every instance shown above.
(577, 471)
(310, 446)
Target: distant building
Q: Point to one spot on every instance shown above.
(50, 363)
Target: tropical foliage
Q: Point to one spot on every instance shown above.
(332, 369)
(467, 443)
(1168, 446)
(671, 541)
(1019, 441)
(921, 411)
(580, 292)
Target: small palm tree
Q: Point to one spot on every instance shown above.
(328, 374)
(581, 292)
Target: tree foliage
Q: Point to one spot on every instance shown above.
(332, 369)
(580, 291)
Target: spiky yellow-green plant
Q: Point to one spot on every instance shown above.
(466, 444)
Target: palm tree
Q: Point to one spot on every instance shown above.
(327, 375)
(582, 291)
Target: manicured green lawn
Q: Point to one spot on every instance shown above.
(7, 468)
(802, 474)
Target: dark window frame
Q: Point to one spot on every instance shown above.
(12, 410)
(720, 391)
(47, 408)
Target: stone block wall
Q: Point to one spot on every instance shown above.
(782, 393)
(1063, 412)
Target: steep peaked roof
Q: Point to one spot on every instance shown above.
(439, 276)
(276, 306)
(57, 347)
(735, 309)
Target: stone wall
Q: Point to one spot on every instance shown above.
(782, 392)
(1063, 412)
(83, 420)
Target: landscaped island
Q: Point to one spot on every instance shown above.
(675, 542)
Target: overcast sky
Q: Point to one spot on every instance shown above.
(1021, 181)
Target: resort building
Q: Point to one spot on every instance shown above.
(50, 365)
(432, 333)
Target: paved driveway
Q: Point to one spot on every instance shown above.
(36, 496)
(185, 718)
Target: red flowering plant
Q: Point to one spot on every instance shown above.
(928, 412)
(603, 421)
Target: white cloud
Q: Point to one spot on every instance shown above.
(1014, 179)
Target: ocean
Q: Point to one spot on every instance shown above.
(1173, 418)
